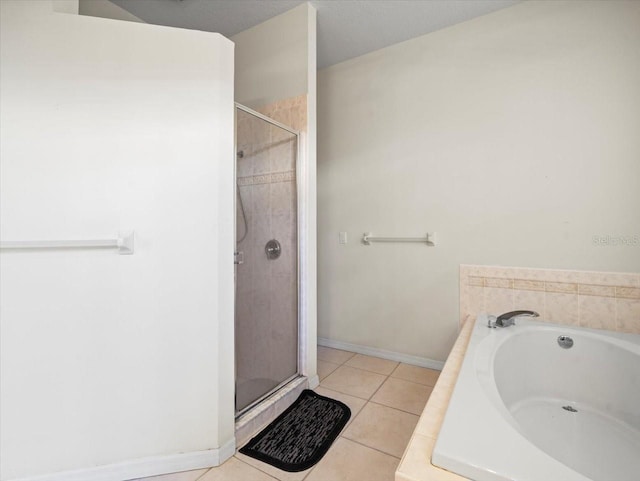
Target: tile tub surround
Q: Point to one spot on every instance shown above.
(598, 300)
(415, 464)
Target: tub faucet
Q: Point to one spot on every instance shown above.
(508, 318)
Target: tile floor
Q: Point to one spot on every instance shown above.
(385, 398)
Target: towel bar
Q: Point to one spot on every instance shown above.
(124, 244)
(429, 239)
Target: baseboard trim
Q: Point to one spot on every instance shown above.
(142, 468)
(226, 451)
(392, 356)
(314, 382)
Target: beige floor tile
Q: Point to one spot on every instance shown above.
(373, 364)
(354, 403)
(355, 382)
(404, 395)
(421, 375)
(325, 368)
(349, 461)
(382, 428)
(235, 470)
(336, 356)
(278, 474)
(183, 476)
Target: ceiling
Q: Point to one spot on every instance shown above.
(346, 28)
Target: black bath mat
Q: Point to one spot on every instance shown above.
(300, 436)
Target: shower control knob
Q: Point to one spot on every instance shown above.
(273, 249)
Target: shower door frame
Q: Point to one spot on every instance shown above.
(298, 373)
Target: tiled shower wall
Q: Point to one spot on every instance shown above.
(266, 312)
(599, 300)
(291, 112)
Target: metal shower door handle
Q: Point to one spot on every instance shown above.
(273, 249)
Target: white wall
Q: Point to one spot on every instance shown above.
(276, 60)
(272, 58)
(514, 136)
(109, 126)
(106, 9)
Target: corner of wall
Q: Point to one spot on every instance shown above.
(66, 6)
(106, 9)
(311, 161)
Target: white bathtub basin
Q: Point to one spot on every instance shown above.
(526, 409)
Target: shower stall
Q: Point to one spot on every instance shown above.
(266, 257)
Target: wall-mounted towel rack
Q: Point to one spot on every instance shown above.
(123, 243)
(429, 239)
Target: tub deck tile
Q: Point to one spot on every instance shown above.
(415, 464)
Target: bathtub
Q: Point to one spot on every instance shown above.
(525, 408)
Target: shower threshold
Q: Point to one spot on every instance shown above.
(253, 419)
(245, 388)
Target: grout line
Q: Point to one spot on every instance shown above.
(368, 370)
(396, 368)
(398, 409)
(326, 376)
(342, 392)
(353, 354)
(353, 418)
(209, 469)
(358, 369)
(353, 415)
(375, 372)
(334, 349)
(329, 362)
(376, 391)
(256, 468)
(414, 382)
(370, 447)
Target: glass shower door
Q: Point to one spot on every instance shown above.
(266, 319)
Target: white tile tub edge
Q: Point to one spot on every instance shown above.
(415, 464)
